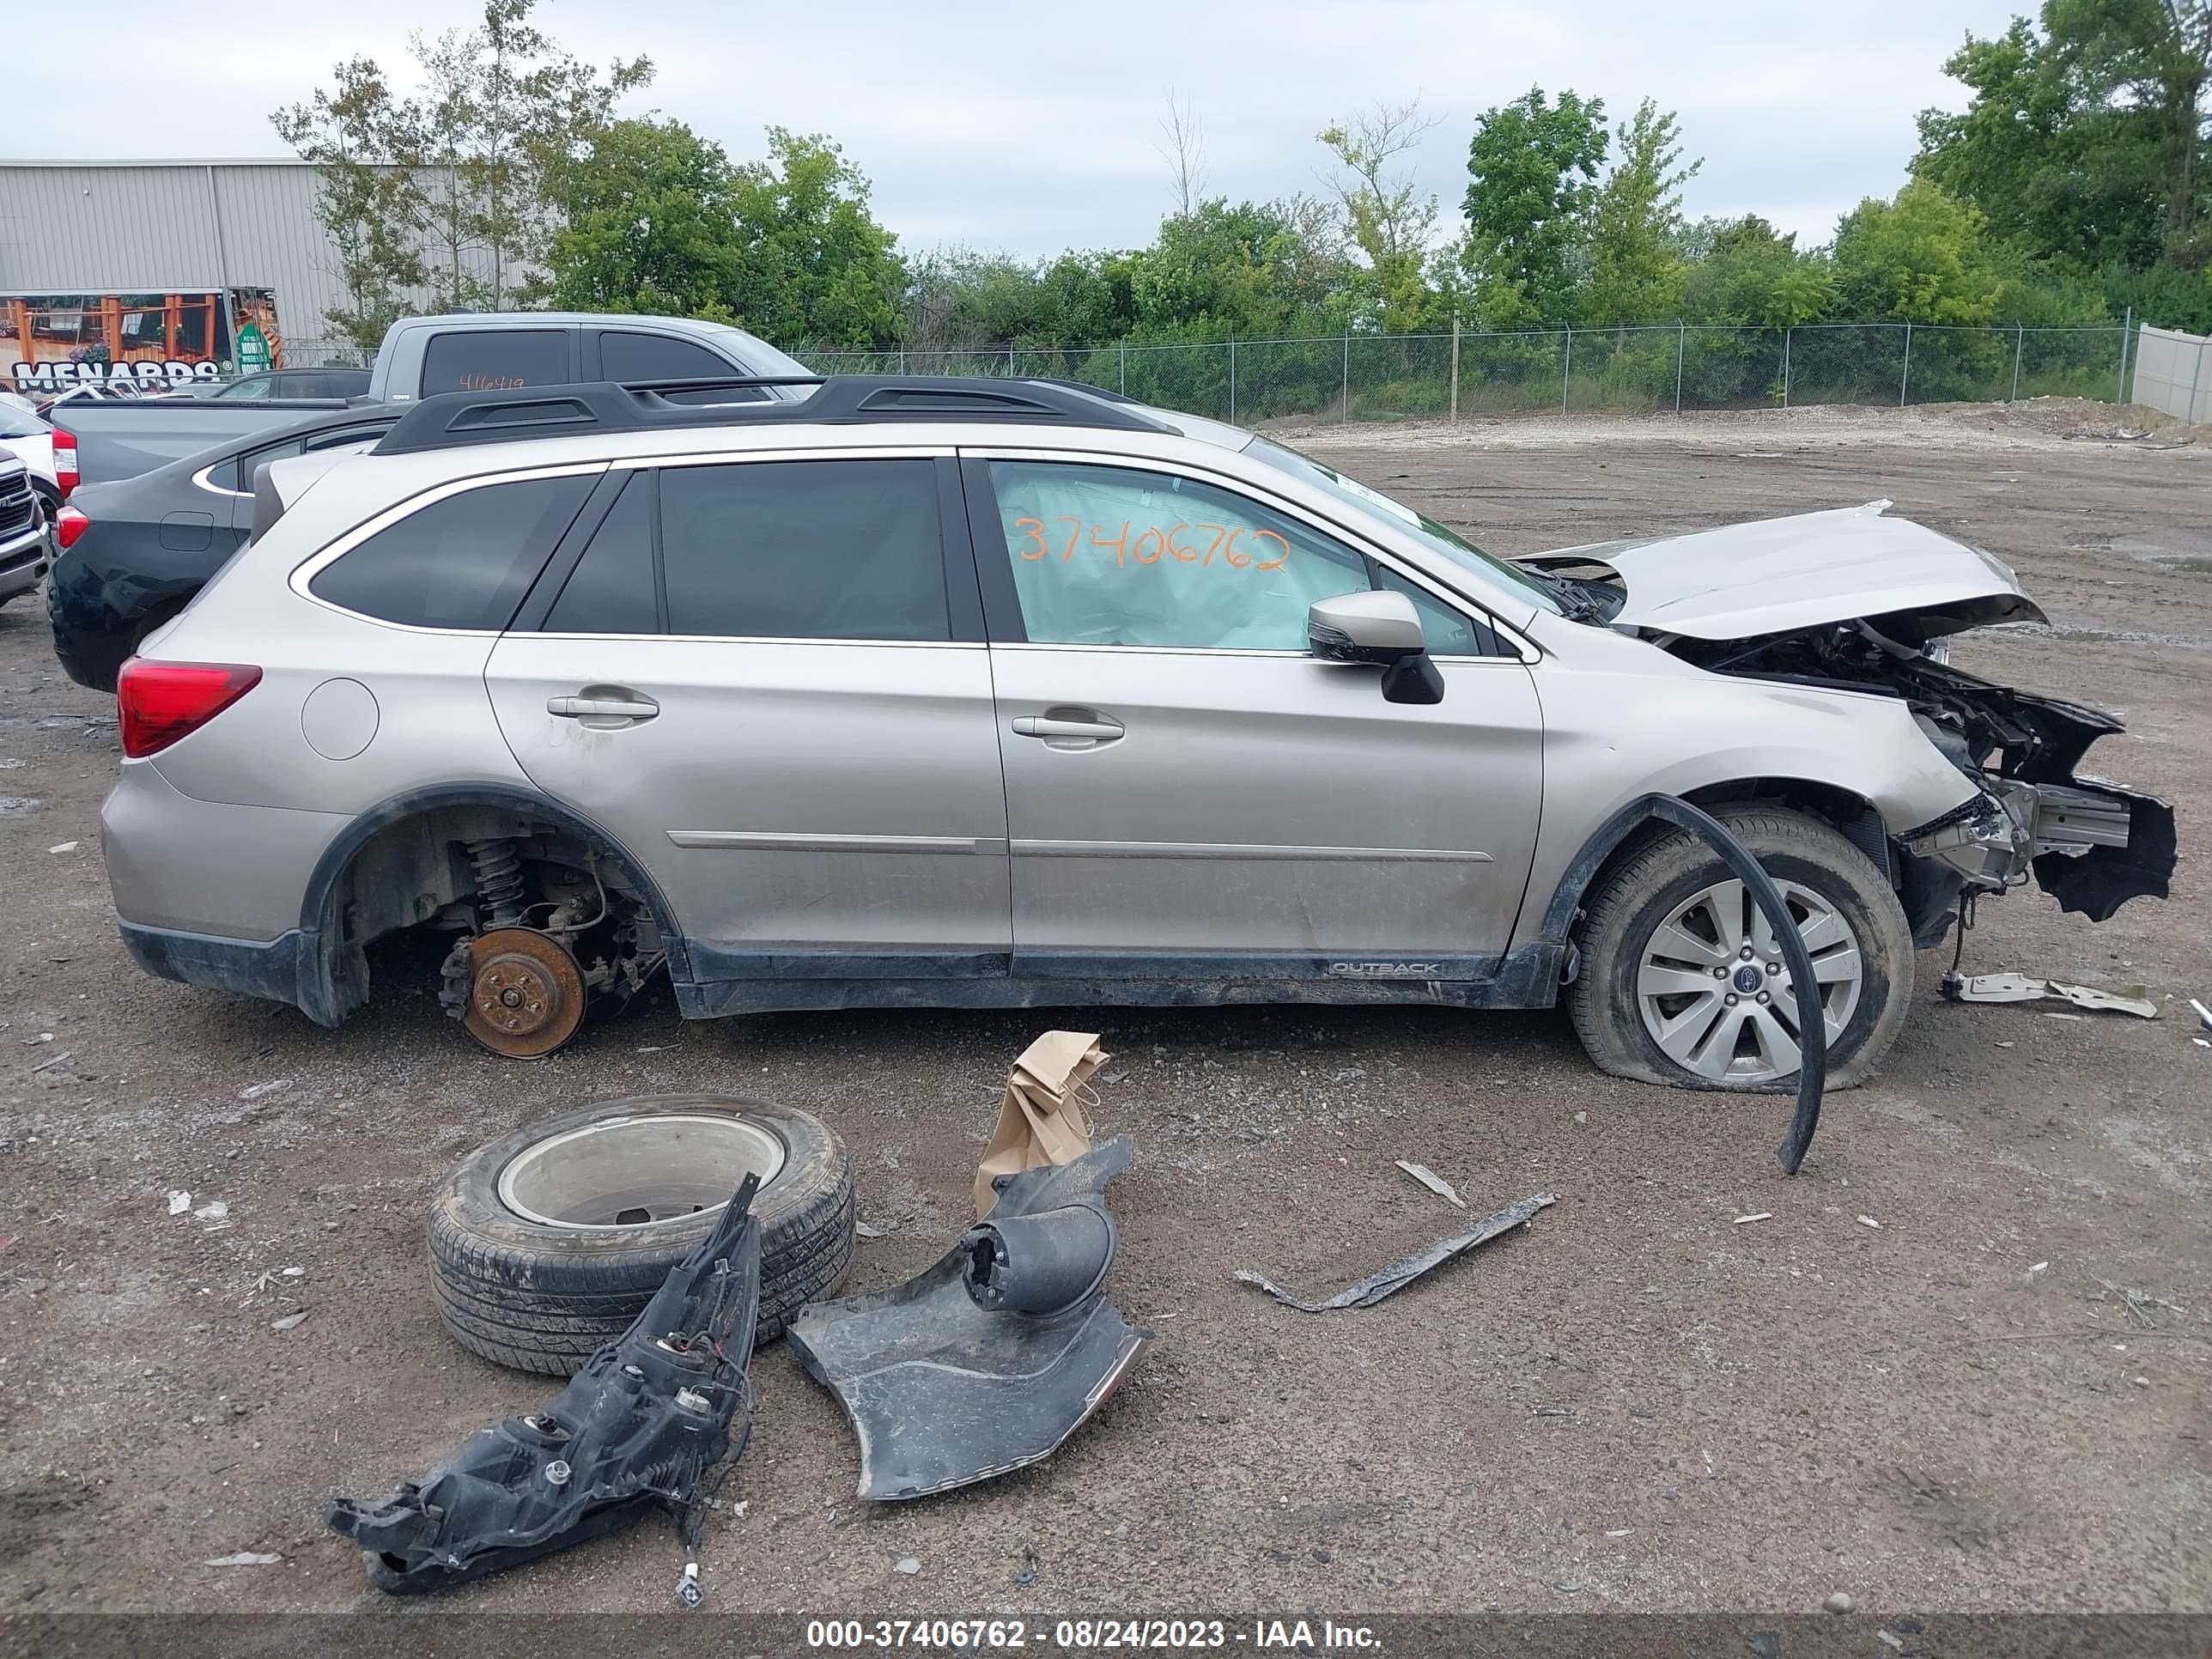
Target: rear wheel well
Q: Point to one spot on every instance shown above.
(417, 870)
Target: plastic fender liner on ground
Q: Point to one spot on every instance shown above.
(990, 1359)
(634, 1431)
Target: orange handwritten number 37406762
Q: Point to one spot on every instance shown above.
(1152, 545)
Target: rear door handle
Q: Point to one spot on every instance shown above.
(630, 708)
(1074, 728)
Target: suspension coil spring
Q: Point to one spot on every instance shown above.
(499, 880)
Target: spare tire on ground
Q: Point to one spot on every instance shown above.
(546, 1243)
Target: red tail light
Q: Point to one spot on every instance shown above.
(70, 523)
(65, 472)
(158, 702)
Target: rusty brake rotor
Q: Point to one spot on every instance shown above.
(525, 993)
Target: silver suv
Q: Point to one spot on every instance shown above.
(993, 694)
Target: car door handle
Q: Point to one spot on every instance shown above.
(1070, 726)
(632, 708)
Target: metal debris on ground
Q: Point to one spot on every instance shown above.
(289, 1322)
(246, 1559)
(66, 846)
(990, 1359)
(1435, 1182)
(1764, 1215)
(179, 1201)
(906, 1565)
(1376, 1286)
(2023, 987)
(636, 1428)
(1869, 1221)
(2203, 1014)
(61, 1059)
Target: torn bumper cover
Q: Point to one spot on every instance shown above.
(634, 1431)
(2092, 844)
(990, 1360)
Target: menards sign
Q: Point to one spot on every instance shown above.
(50, 342)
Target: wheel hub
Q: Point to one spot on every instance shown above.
(526, 995)
(1715, 994)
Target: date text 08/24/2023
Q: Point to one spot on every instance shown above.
(1088, 1635)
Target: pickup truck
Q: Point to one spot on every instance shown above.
(423, 355)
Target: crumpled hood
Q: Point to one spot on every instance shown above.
(1773, 576)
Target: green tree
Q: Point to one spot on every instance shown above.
(350, 132)
(1636, 271)
(1532, 164)
(1222, 271)
(2085, 141)
(2048, 160)
(1751, 274)
(1383, 216)
(1921, 258)
(647, 219)
(812, 266)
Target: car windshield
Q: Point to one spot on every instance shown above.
(1424, 529)
(16, 423)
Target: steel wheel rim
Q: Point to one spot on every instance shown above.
(651, 1169)
(1704, 970)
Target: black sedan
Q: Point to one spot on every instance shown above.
(135, 551)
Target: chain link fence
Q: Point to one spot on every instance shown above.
(1678, 367)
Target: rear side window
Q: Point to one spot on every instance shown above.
(804, 550)
(611, 589)
(485, 359)
(462, 561)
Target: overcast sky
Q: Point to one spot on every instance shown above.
(1034, 127)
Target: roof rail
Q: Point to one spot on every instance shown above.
(518, 414)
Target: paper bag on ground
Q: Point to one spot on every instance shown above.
(1041, 1120)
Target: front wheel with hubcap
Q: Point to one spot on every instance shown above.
(1683, 982)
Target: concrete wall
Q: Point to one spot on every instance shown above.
(2173, 373)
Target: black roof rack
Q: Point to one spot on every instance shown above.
(515, 414)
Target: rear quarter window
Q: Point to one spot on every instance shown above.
(463, 561)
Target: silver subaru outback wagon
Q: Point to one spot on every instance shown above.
(989, 694)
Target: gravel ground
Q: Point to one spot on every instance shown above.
(1962, 1366)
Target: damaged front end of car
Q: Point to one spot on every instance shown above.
(1853, 599)
(2090, 844)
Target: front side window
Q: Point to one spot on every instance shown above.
(804, 550)
(624, 356)
(486, 359)
(463, 561)
(1114, 556)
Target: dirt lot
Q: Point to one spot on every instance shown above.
(1994, 1398)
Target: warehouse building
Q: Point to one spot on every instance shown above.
(162, 269)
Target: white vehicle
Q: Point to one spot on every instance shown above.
(48, 452)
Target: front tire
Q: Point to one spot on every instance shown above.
(1682, 983)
